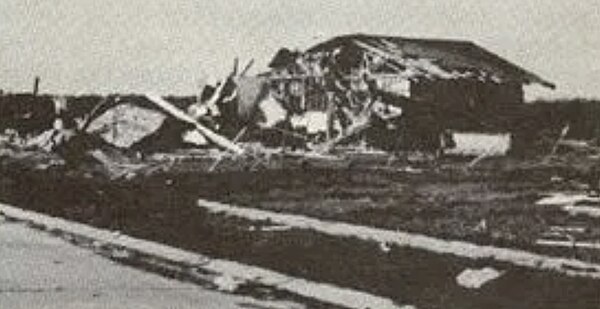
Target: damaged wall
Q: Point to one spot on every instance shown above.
(467, 93)
(450, 72)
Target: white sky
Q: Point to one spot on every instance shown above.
(168, 46)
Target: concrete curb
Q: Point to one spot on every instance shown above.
(222, 274)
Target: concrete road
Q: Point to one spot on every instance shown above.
(38, 270)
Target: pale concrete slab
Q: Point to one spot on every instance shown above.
(38, 270)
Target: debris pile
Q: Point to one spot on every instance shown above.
(352, 93)
(235, 115)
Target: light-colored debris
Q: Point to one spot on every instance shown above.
(200, 109)
(563, 199)
(481, 227)
(221, 156)
(480, 144)
(227, 283)
(45, 141)
(194, 137)
(385, 247)
(120, 254)
(578, 145)
(411, 170)
(313, 121)
(568, 244)
(359, 124)
(275, 228)
(126, 124)
(60, 104)
(562, 135)
(386, 111)
(11, 137)
(590, 211)
(567, 229)
(478, 159)
(272, 111)
(476, 278)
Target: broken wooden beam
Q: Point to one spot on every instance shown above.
(219, 140)
(247, 68)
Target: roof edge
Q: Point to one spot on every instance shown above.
(528, 77)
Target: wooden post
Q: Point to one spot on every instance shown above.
(36, 86)
(330, 115)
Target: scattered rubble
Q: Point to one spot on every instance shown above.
(367, 92)
(574, 204)
(386, 238)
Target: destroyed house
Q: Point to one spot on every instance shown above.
(447, 73)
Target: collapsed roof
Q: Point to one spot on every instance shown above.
(426, 58)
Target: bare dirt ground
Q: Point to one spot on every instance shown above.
(443, 200)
